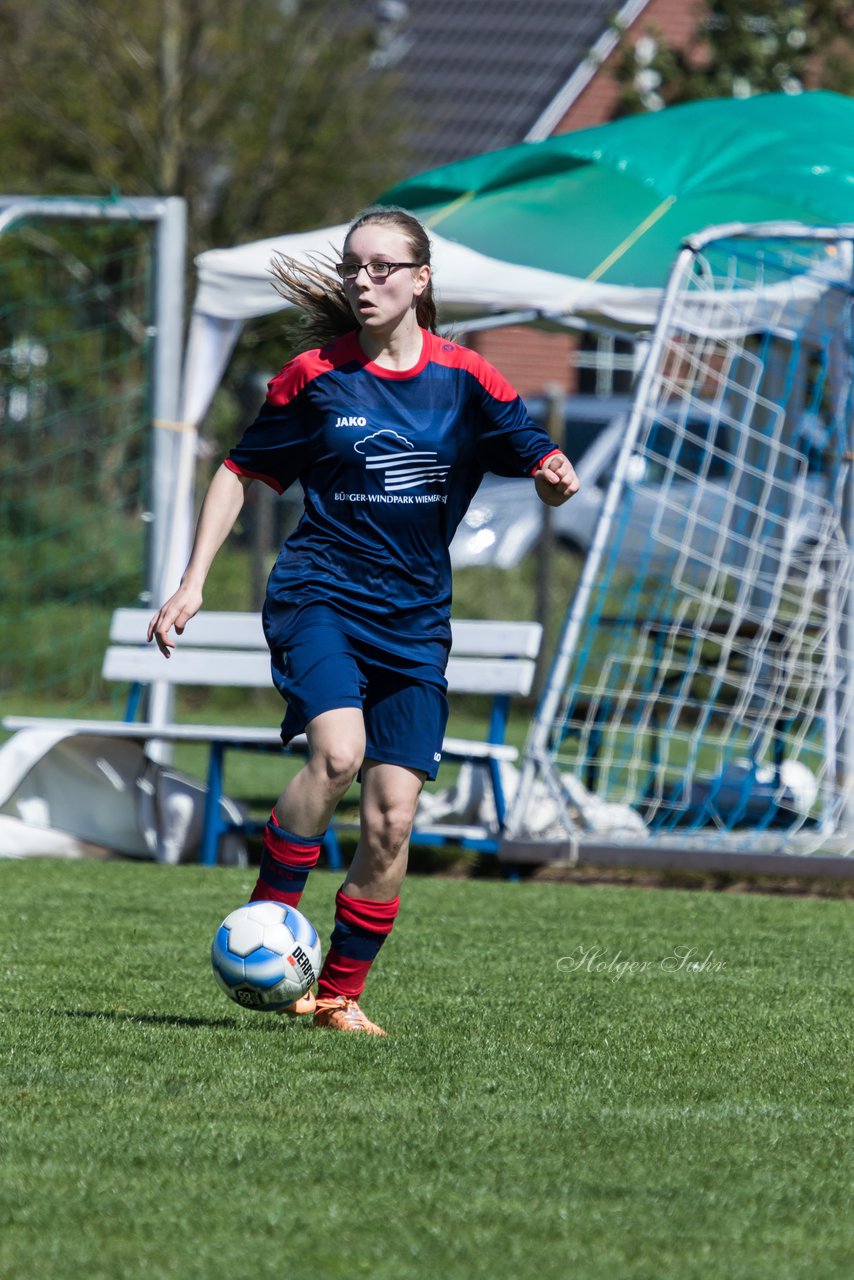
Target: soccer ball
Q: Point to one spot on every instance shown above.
(265, 955)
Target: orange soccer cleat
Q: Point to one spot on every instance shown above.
(341, 1014)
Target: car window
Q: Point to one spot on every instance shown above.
(579, 436)
(700, 448)
(584, 421)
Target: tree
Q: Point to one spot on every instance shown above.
(740, 48)
(265, 114)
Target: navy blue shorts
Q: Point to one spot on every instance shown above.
(404, 701)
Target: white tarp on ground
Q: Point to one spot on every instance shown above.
(70, 795)
(471, 801)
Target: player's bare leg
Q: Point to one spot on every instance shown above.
(367, 903)
(336, 742)
(389, 799)
(294, 834)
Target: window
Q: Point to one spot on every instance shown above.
(605, 364)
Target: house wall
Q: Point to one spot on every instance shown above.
(532, 361)
(535, 362)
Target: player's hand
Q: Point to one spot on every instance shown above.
(556, 480)
(176, 612)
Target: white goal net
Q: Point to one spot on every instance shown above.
(702, 695)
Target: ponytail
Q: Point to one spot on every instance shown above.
(425, 309)
(319, 295)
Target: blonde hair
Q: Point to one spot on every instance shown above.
(319, 294)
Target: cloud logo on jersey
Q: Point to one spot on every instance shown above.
(398, 463)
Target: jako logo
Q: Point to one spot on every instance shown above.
(352, 422)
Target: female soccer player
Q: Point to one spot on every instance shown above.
(389, 429)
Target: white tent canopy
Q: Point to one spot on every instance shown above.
(235, 285)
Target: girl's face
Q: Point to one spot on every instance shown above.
(383, 305)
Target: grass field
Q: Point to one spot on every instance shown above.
(561, 1095)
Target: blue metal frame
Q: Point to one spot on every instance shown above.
(215, 825)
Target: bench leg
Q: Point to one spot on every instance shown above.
(498, 793)
(212, 828)
(332, 849)
(509, 872)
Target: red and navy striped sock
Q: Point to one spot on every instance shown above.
(286, 860)
(361, 927)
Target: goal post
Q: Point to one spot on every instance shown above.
(700, 706)
(91, 350)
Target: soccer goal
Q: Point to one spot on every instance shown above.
(699, 709)
(91, 339)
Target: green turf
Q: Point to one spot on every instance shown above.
(560, 1095)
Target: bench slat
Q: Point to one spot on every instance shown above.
(223, 630)
(188, 666)
(137, 729)
(496, 639)
(213, 630)
(252, 670)
(490, 675)
(229, 734)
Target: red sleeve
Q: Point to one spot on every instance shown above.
(253, 475)
(277, 446)
(544, 458)
(510, 442)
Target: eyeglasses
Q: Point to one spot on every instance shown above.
(375, 270)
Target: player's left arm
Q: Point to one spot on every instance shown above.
(555, 481)
(509, 437)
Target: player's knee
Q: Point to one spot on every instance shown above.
(339, 765)
(389, 826)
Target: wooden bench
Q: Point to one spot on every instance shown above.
(496, 659)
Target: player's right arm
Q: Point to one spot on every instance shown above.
(222, 505)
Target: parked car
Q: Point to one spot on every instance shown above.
(679, 500)
(505, 518)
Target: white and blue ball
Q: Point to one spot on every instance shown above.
(265, 955)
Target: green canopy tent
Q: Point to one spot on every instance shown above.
(612, 204)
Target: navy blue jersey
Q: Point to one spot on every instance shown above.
(389, 462)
